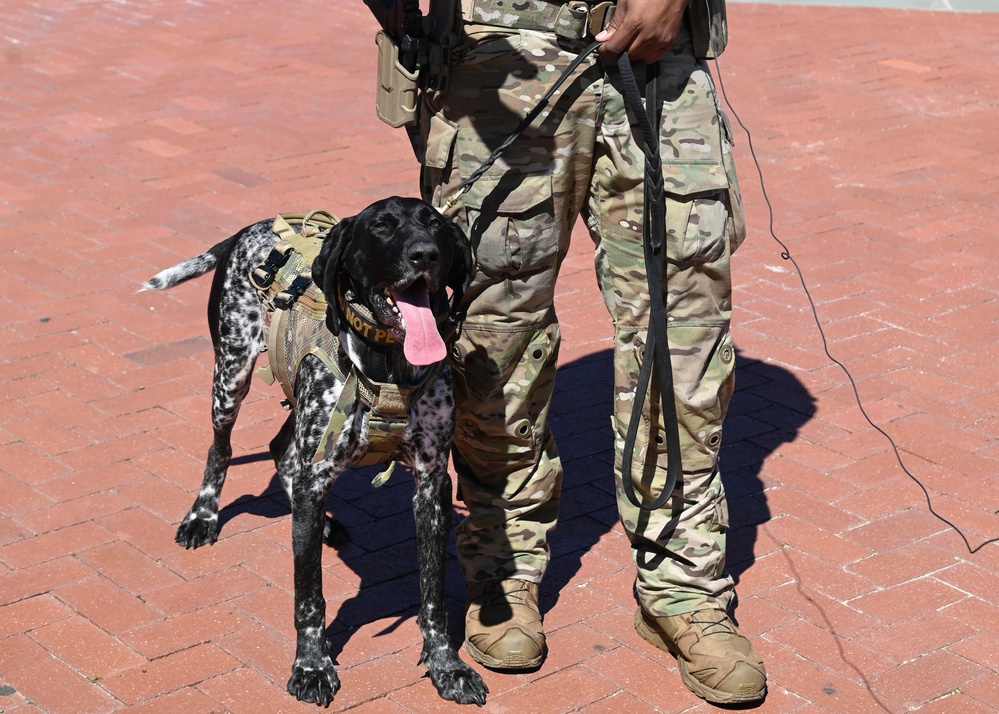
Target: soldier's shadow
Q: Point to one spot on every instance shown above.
(769, 407)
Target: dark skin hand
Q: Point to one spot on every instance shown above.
(645, 29)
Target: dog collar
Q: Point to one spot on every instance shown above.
(362, 322)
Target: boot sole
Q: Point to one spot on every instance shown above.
(706, 693)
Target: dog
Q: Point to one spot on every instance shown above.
(393, 261)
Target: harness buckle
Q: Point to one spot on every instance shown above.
(263, 275)
(283, 301)
(286, 298)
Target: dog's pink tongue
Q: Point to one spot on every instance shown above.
(423, 344)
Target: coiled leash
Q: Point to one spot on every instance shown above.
(653, 240)
(656, 354)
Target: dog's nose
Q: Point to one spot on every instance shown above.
(423, 254)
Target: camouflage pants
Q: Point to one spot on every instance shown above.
(583, 158)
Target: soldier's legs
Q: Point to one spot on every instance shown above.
(679, 549)
(519, 217)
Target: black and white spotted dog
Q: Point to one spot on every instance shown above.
(395, 257)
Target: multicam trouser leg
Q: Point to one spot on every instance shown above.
(583, 159)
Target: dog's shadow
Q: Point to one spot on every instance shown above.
(769, 407)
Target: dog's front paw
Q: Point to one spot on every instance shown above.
(195, 531)
(314, 684)
(459, 683)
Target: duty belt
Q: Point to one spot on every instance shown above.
(573, 20)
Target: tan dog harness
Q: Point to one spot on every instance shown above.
(295, 320)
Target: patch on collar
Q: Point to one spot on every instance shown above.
(362, 322)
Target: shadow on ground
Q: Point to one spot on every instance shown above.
(769, 407)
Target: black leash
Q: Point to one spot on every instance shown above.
(653, 239)
(656, 356)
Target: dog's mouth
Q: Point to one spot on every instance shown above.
(407, 313)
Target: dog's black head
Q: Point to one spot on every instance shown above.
(396, 257)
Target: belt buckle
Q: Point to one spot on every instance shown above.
(598, 16)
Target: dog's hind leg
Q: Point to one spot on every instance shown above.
(454, 679)
(231, 383)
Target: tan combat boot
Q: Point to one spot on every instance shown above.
(503, 627)
(716, 662)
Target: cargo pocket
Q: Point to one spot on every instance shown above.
(511, 222)
(504, 381)
(720, 519)
(697, 212)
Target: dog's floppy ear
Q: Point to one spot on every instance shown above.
(462, 269)
(326, 269)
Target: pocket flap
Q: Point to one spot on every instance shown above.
(687, 179)
(440, 142)
(509, 194)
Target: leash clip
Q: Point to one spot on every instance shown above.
(449, 208)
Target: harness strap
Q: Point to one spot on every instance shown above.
(389, 406)
(277, 363)
(341, 410)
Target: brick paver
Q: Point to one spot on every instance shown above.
(136, 134)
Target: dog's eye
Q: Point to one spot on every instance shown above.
(380, 226)
(435, 224)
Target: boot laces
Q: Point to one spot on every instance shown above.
(496, 595)
(712, 622)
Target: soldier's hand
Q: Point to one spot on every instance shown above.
(645, 29)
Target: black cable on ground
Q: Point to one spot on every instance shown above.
(786, 255)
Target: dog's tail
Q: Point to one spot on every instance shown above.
(190, 268)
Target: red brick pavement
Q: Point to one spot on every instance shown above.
(134, 134)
